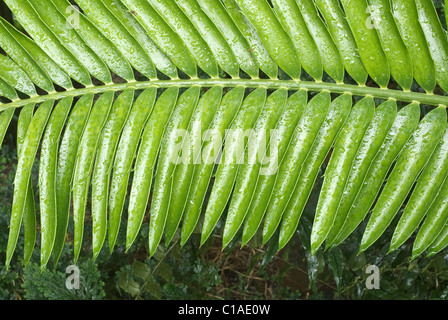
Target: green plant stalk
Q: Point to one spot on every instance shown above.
(357, 90)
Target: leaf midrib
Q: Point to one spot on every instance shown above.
(313, 86)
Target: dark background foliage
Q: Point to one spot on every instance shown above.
(253, 272)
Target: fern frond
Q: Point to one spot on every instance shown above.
(106, 87)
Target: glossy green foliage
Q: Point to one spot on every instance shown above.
(169, 118)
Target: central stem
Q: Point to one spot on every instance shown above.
(399, 95)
